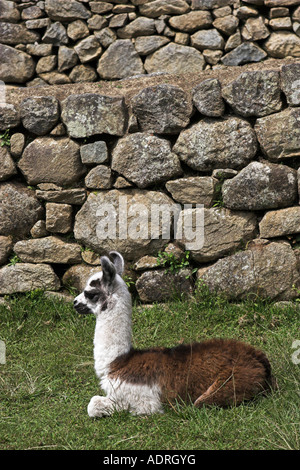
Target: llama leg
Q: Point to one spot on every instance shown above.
(100, 406)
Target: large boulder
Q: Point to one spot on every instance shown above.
(15, 66)
(210, 144)
(223, 232)
(267, 270)
(279, 134)
(163, 109)
(145, 159)
(175, 58)
(261, 186)
(24, 277)
(254, 93)
(124, 220)
(160, 285)
(19, 210)
(48, 250)
(50, 160)
(89, 114)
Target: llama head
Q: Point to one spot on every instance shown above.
(102, 286)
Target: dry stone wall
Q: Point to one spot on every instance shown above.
(69, 41)
(228, 139)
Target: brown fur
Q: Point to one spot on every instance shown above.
(218, 371)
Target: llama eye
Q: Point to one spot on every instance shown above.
(93, 297)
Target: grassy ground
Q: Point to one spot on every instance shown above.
(48, 379)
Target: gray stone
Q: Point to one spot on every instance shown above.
(210, 4)
(207, 98)
(46, 64)
(40, 50)
(265, 270)
(23, 277)
(125, 229)
(49, 159)
(224, 232)
(118, 21)
(207, 39)
(280, 223)
(77, 30)
(19, 209)
(88, 49)
(77, 276)
(282, 44)
(39, 229)
(83, 73)
(48, 250)
(162, 109)
(68, 10)
(97, 22)
(279, 134)
(39, 114)
(120, 60)
(38, 24)
(58, 217)
(227, 24)
(89, 114)
(9, 11)
(174, 58)
(7, 166)
(67, 58)
(139, 27)
(15, 66)
(157, 8)
(202, 148)
(105, 36)
(254, 93)
(146, 45)
(246, 52)
(17, 34)
(261, 186)
(290, 82)
(9, 116)
(6, 245)
(192, 21)
(94, 153)
(255, 29)
(99, 177)
(17, 142)
(193, 190)
(145, 159)
(56, 34)
(75, 196)
(159, 285)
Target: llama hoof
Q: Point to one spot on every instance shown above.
(98, 406)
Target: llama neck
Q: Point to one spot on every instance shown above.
(113, 335)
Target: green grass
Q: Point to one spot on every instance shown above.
(48, 378)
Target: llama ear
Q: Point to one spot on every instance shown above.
(108, 269)
(118, 261)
